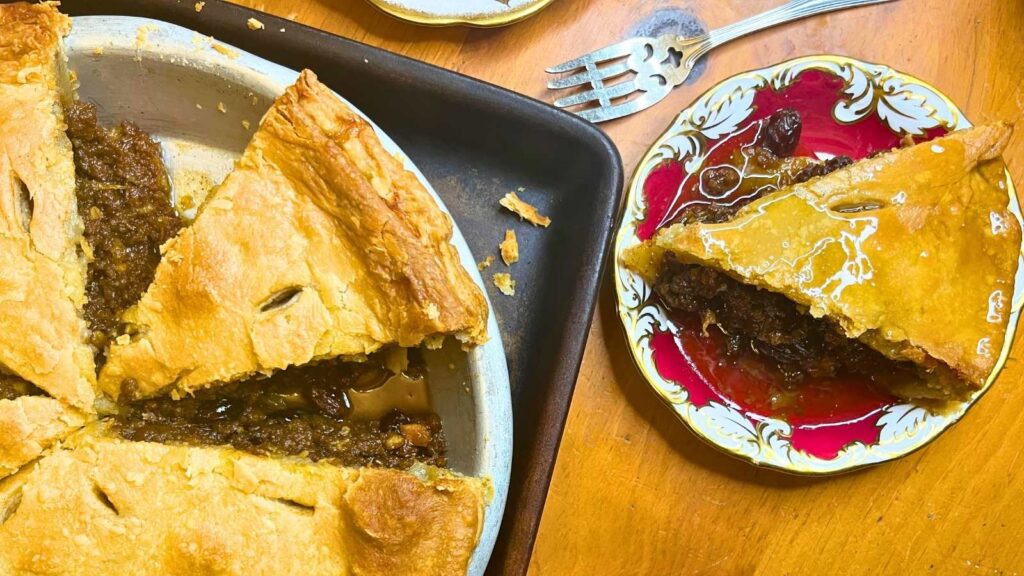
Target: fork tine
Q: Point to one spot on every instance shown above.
(605, 113)
(620, 50)
(601, 73)
(604, 95)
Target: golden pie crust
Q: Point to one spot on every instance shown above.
(319, 244)
(42, 286)
(31, 424)
(914, 252)
(100, 505)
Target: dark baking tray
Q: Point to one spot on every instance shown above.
(474, 142)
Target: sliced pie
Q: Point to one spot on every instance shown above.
(318, 245)
(913, 253)
(42, 332)
(151, 509)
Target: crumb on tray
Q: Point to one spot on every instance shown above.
(505, 283)
(199, 6)
(486, 263)
(513, 202)
(254, 24)
(510, 248)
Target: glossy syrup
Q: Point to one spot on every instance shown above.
(826, 413)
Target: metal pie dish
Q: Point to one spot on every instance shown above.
(906, 105)
(202, 100)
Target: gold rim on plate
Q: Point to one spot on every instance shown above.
(482, 20)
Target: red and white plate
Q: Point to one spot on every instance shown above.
(848, 108)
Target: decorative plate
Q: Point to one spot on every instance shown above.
(848, 107)
(483, 13)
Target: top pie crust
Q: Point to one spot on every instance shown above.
(100, 505)
(914, 252)
(319, 244)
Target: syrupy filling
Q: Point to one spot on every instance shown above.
(351, 413)
(326, 411)
(752, 320)
(752, 171)
(124, 199)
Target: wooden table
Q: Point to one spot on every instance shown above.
(636, 493)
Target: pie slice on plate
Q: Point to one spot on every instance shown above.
(912, 253)
(42, 331)
(318, 245)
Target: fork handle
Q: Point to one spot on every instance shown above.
(794, 10)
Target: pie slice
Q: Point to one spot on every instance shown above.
(912, 253)
(42, 346)
(150, 509)
(42, 288)
(318, 245)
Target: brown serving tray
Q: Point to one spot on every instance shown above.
(474, 142)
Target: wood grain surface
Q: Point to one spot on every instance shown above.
(634, 492)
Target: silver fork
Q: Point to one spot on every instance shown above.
(657, 71)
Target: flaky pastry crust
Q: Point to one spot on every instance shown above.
(319, 244)
(31, 424)
(99, 505)
(42, 289)
(913, 252)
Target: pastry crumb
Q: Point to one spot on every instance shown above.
(254, 24)
(486, 263)
(245, 124)
(222, 108)
(513, 202)
(504, 282)
(199, 106)
(98, 50)
(199, 6)
(225, 51)
(510, 248)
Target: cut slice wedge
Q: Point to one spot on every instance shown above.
(913, 252)
(318, 245)
(42, 332)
